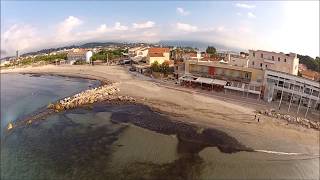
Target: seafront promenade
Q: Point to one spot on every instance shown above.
(232, 115)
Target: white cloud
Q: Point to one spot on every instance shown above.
(186, 27)
(246, 6)
(251, 15)
(65, 28)
(119, 27)
(19, 37)
(149, 34)
(182, 12)
(148, 24)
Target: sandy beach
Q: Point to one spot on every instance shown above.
(231, 114)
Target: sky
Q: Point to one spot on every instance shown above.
(281, 26)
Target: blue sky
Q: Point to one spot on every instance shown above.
(270, 25)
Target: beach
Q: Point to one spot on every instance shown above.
(229, 114)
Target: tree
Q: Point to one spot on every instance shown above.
(164, 67)
(155, 66)
(211, 50)
(312, 64)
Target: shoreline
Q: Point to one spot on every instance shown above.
(131, 86)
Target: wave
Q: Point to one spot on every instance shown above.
(279, 153)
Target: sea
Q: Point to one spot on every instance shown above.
(123, 141)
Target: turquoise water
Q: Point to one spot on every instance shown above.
(23, 94)
(128, 142)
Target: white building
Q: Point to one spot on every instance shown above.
(88, 56)
(76, 55)
(287, 63)
(292, 90)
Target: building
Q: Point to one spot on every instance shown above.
(158, 54)
(77, 55)
(214, 73)
(291, 90)
(179, 69)
(215, 69)
(4, 62)
(133, 51)
(241, 59)
(287, 63)
(312, 75)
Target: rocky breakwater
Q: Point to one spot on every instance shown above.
(105, 93)
(291, 119)
(99, 94)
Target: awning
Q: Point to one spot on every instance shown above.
(219, 82)
(204, 80)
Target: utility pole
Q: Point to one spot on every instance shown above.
(107, 59)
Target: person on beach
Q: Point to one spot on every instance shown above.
(255, 116)
(258, 119)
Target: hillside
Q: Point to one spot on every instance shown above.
(309, 62)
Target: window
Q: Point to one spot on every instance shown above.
(254, 54)
(252, 63)
(278, 59)
(266, 66)
(285, 60)
(260, 64)
(272, 58)
(261, 55)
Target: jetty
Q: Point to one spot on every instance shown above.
(103, 93)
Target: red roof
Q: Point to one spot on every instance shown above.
(159, 50)
(191, 54)
(155, 54)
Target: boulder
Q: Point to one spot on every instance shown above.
(10, 126)
(50, 106)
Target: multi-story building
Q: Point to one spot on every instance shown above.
(265, 60)
(217, 70)
(158, 54)
(214, 73)
(292, 90)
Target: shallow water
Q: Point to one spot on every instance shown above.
(133, 142)
(23, 94)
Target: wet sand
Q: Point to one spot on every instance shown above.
(192, 138)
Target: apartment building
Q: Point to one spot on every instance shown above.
(266, 60)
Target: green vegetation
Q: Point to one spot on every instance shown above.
(42, 58)
(110, 55)
(155, 67)
(211, 50)
(309, 62)
(163, 68)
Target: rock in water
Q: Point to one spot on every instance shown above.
(10, 126)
